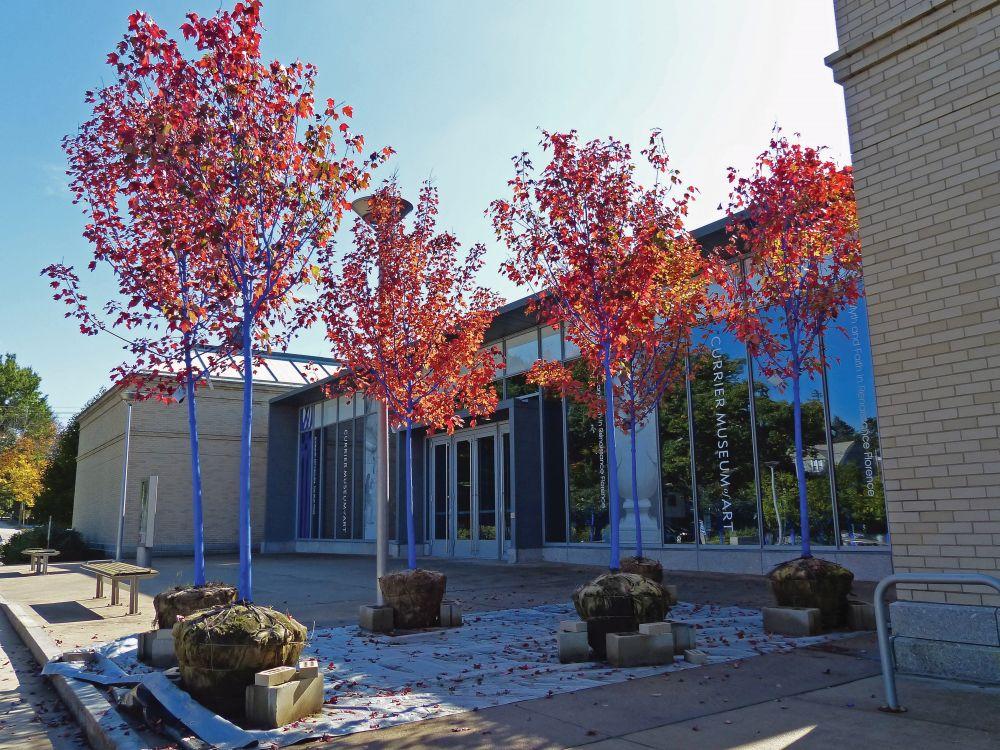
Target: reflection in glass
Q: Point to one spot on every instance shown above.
(487, 482)
(588, 500)
(344, 482)
(554, 454)
(727, 500)
(357, 505)
(331, 471)
(551, 347)
(647, 485)
(463, 488)
(519, 386)
(522, 351)
(851, 385)
(675, 467)
(370, 471)
(508, 480)
(441, 491)
(776, 452)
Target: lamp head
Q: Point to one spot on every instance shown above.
(362, 207)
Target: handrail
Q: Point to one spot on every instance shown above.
(882, 620)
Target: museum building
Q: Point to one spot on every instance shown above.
(716, 475)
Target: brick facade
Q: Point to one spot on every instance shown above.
(159, 446)
(921, 81)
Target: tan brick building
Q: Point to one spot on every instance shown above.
(921, 81)
(159, 446)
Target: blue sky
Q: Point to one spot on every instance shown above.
(456, 87)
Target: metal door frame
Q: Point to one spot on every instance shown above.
(476, 547)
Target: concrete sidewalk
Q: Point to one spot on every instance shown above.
(821, 698)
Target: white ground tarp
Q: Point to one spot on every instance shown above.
(495, 658)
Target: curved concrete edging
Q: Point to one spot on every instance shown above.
(104, 725)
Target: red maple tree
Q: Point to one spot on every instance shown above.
(407, 319)
(654, 358)
(160, 316)
(590, 240)
(795, 218)
(233, 158)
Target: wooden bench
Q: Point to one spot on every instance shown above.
(39, 558)
(117, 572)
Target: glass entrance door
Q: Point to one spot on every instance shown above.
(469, 493)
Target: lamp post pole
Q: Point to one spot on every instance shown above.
(361, 208)
(127, 398)
(774, 499)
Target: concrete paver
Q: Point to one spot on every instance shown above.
(31, 714)
(796, 722)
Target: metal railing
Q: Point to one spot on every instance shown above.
(882, 620)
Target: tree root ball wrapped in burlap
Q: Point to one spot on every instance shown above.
(219, 651)
(181, 601)
(811, 582)
(415, 597)
(643, 566)
(617, 603)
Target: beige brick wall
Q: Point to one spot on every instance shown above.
(159, 445)
(921, 81)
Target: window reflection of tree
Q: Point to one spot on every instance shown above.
(675, 467)
(588, 508)
(860, 498)
(742, 492)
(518, 385)
(775, 446)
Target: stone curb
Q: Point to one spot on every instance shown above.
(99, 719)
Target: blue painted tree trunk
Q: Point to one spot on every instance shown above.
(614, 499)
(800, 469)
(635, 494)
(245, 586)
(197, 519)
(411, 541)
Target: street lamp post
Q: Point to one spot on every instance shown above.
(774, 499)
(361, 207)
(128, 398)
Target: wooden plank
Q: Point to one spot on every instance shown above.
(118, 569)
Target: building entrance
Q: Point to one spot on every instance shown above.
(469, 493)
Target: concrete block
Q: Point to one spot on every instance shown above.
(80, 654)
(270, 707)
(573, 626)
(378, 619)
(274, 676)
(654, 628)
(573, 647)
(671, 592)
(684, 637)
(954, 661)
(639, 649)
(958, 623)
(860, 616)
(661, 648)
(793, 621)
(156, 648)
(451, 615)
(308, 668)
(625, 649)
(695, 656)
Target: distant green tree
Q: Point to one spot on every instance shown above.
(26, 431)
(59, 478)
(24, 410)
